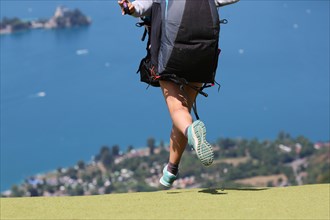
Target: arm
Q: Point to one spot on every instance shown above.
(220, 3)
(142, 8)
(138, 8)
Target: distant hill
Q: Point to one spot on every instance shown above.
(299, 202)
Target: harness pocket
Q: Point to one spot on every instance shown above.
(147, 73)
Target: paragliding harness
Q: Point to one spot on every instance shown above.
(148, 65)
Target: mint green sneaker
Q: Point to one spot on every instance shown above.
(168, 178)
(196, 139)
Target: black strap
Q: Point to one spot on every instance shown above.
(194, 105)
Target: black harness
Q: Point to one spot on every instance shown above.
(149, 74)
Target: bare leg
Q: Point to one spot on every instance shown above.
(179, 108)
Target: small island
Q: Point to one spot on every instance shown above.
(63, 18)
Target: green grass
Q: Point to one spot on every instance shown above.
(300, 202)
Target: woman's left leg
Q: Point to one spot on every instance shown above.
(179, 104)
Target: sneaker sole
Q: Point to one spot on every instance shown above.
(165, 183)
(203, 149)
(161, 181)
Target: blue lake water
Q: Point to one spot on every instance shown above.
(65, 93)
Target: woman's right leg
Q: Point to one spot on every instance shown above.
(179, 103)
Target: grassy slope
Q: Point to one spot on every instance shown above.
(302, 202)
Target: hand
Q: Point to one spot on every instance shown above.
(129, 5)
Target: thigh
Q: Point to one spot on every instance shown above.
(192, 93)
(177, 98)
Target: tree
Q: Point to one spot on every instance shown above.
(108, 189)
(162, 144)
(16, 191)
(33, 191)
(59, 169)
(283, 136)
(107, 160)
(81, 165)
(78, 191)
(307, 147)
(151, 145)
(72, 173)
(129, 148)
(226, 143)
(105, 157)
(104, 150)
(115, 150)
